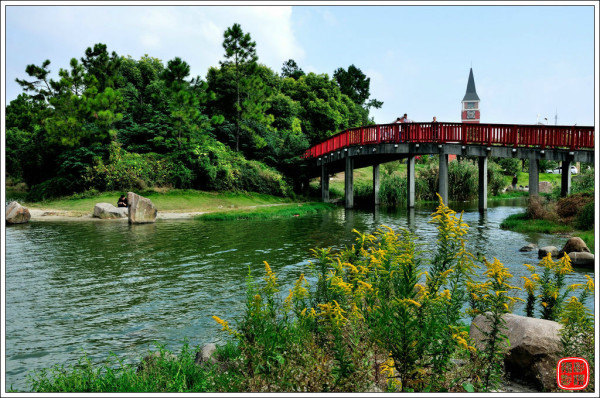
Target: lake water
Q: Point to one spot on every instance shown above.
(105, 286)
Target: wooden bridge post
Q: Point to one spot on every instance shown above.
(443, 177)
(376, 184)
(534, 177)
(565, 178)
(324, 183)
(410, 182)
(349, 182)
(483, 182)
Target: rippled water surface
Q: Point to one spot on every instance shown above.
(106, 286)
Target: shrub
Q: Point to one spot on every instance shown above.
(125, 171)
(585, 218)
(392, 189)
(539, 208)
(496, 181)
(584, 181)
(218, 168)
(569, 207)
(463, 180)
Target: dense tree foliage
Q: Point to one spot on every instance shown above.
(114, 122)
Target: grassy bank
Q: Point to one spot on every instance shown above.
(275, 211)
(176, 200)
(522, 223)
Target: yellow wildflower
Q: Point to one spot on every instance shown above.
(225, 325)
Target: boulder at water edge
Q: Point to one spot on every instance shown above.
(582, 259)
(574, 244)
(17, 214)
(141, 210)
(207, 354)
(543, 251)
(528, 248)
(106, 211)
(533, 351)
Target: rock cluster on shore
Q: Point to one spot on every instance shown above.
(575, 248)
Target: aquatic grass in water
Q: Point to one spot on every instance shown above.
(522, 223)
(268, 212)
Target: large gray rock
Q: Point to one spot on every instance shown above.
(106, 211)
(543, 251)
(206, 354)
(529, 247)
(17, 214)
(545, 187)
(582, 259)
(141, 210)
(533, 351)
(574, 244)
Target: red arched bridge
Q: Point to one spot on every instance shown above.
(381, 143)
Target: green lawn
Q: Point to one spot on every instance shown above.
(177, 200)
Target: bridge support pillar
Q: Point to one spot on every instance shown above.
(443, 178)
(324, 183)
(483, 182)
(349, 183)
(376, 184)
(410, 182)
(565, 178)
(534, 177)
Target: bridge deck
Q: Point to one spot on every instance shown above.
(529, 136)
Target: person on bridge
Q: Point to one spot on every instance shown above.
(398, 120)
(434, 129)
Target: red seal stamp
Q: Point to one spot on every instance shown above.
(572, 373)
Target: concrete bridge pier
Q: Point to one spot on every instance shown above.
(349, 183)
(376, 184)
(443, 177)
(410, 182)
(483, 183)
(324, 183)
(565, 178)
(534, 177)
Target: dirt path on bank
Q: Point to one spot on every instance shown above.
(73, 215)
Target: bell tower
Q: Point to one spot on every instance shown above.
(470, 102)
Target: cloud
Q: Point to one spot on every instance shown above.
(194, 33)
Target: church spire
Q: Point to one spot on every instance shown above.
(471, 94)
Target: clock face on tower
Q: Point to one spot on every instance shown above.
(470, 114)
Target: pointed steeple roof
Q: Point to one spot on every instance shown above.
(471, 94)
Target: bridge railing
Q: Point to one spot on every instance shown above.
(541, 136)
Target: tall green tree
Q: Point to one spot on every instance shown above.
(240, 53)
(101, 65)
(356, 85)
(291, 69)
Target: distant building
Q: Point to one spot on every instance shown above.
(470, 102)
